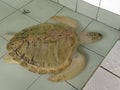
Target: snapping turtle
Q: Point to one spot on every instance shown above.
(51, 48)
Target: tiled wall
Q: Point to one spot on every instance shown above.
(106, 11)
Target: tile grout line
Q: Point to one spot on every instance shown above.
(39, 21)
(89, 78)
(84, 14)
(14, 7)
(76, 5)
(59, 10)
(26, 4)
(71, 85)
(92, 51)
(110, 71)
(54, 2)
(109, 51)
(98, 10)
(33, 82)
(8, 15)
(3, 55)
(105, 57)
(7, 4)
(56, 13)
(87, 25)
(107, 25)
(30, 17)
(73, 10)
(4, 38)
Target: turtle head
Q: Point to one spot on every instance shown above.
(89, 37)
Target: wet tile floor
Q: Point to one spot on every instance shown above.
(12, 19)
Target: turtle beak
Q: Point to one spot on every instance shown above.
(100, 34)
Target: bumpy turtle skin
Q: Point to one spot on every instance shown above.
(45, 48)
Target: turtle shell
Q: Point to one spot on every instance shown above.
(44, 48)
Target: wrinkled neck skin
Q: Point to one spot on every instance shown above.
(83, 38)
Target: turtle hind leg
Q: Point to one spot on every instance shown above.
(77, 65)
(66, 20)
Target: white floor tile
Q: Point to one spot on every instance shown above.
(87, 9)
(42, 10)
(112, 60)
(69, 3)
(93, 61)
(103, 80)
(5, 10)
(44, 84)
(109, 18)
(80, 19)
(16, 3)
(15, 23)
(112, 5)
(110, 36)
(14, 77)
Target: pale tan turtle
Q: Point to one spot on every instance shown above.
(51, 48)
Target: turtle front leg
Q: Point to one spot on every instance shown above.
(66, 20)
(77, 65)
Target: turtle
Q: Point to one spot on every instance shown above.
(51, 48)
